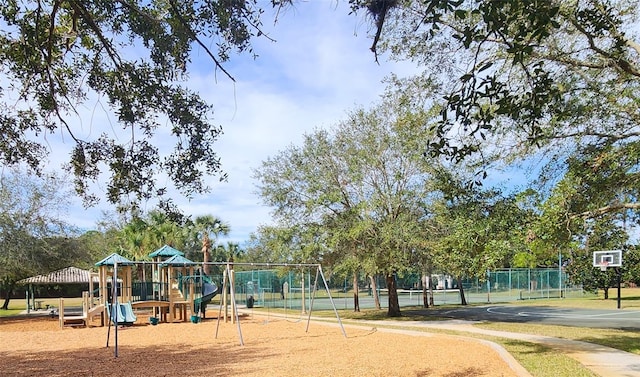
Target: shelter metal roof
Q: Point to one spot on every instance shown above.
(69, 275)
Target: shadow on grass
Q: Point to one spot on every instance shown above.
(407, 314)
(634, 298)
(629, 343)
(526, 348)
(9, 313)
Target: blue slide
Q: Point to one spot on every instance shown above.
(125, 315)
(209, 290)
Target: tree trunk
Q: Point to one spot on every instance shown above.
(463, 300)
(425, 295)
(7, 297)
(356, 292)
(206, 245)
(429, 273)
(431, 295)
(394, 305)
(374, 291)
(606, 293)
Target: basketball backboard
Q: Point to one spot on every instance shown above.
(607, 258)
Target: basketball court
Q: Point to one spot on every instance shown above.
(595, 318)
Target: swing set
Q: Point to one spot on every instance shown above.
(229, 294)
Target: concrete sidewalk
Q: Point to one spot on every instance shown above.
(601, 360)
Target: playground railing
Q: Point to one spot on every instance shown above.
(149, 291)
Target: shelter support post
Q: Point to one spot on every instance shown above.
(27, 299)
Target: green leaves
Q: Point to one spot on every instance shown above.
(33, 226)
(359, 187)
(61, 56)
(479, 229)
(517, 69)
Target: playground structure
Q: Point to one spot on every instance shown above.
(177, 290)
(89, 312)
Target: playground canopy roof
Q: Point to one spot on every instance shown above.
(166, 251)
(113, 258)
(69, 275)
(178, 260)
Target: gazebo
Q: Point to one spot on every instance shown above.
(68, 275)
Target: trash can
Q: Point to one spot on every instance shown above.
(250, 302)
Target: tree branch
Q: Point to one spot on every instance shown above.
(197, 40)
(604, 210)
(86, 16)
(620, 63)
(602, 135)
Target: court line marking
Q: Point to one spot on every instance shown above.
(597, 316)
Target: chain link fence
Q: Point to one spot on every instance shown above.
(294, 289)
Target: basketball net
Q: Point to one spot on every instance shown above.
(603, 266)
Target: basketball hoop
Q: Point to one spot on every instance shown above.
(604, 259)
(604, 265)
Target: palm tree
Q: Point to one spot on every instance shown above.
(231, 251)
(209, 227)
(136, 239)
(165, 231)
(141, 236)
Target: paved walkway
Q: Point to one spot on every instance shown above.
(603, 361)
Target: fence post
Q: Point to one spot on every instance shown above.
(488, 286)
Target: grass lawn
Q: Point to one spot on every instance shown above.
(10, 312)
(620, 339)
(16, 306)
(541, 361)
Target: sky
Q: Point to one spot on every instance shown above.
(319, 69)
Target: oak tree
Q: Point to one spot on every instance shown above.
(131, 58)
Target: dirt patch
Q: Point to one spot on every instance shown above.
(272, 347)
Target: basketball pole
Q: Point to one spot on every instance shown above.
(619, 277)
(610, 258)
